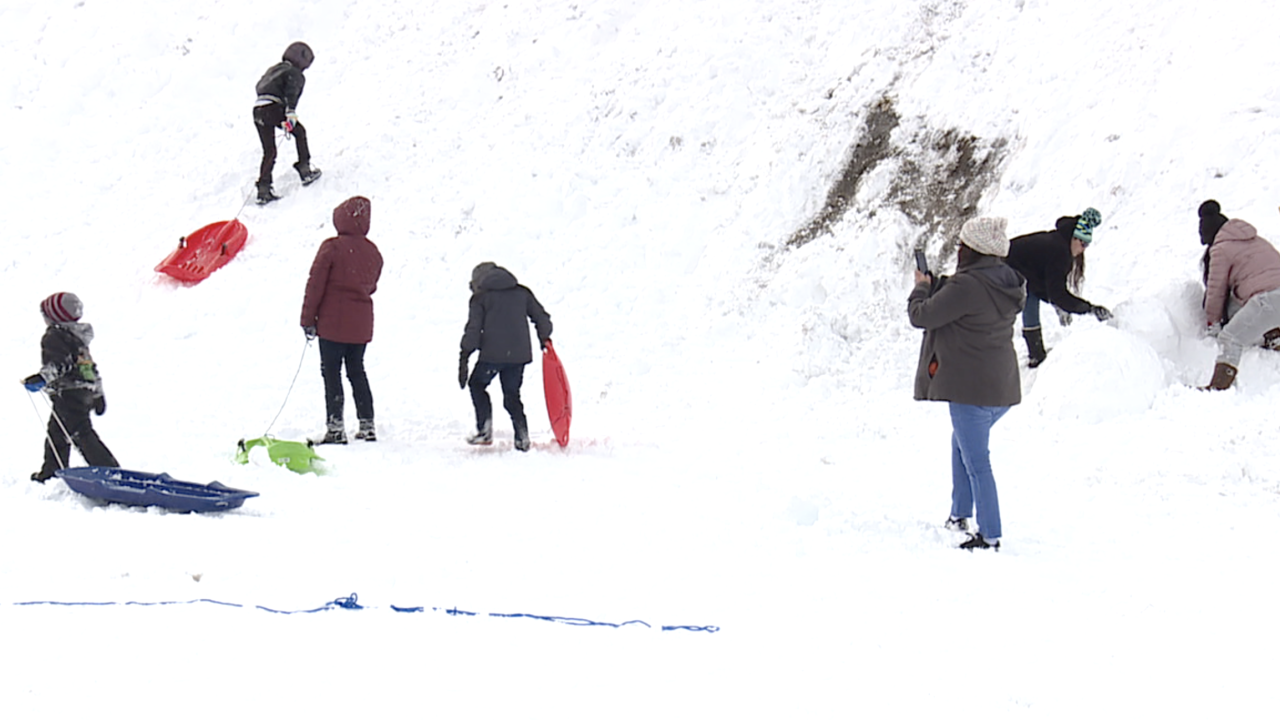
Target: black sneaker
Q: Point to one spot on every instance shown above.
(977, 542)
(40, 476)
(265, 194)
(307, 173)
(956, 524)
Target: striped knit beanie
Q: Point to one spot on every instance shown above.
(1089, 219)
(62, 307)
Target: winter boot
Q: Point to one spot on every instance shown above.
(366, 431)
(977, 542)
(956, 524)
(1271, 339)
(335, 435)
(306, 172)
(40, 476)
(265, 195)
(522, 436)
(1223, 376)
(483, 436)
(1035, 346)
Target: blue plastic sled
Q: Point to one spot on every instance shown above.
(131, 487)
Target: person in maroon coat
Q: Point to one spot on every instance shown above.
(338, 308)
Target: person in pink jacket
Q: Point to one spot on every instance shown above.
(338, 308)
(1242, 271)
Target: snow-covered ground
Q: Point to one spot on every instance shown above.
(745, 454)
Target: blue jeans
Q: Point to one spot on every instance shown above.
(971, 477)
(1031, 313)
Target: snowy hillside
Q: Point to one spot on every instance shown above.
(716, 202)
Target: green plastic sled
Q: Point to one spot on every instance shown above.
(297, 456)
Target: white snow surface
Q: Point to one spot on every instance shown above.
(745, 452)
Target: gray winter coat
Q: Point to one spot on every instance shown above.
(968, 323)
(498, 319)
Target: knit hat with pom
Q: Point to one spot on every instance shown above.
(62, 307)
(1089, 219)
(986, 235)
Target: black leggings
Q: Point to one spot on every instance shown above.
(266, 118)
(332, 357)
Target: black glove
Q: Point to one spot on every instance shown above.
(310, 332)
(462, 371)
(100, 405)
(1101, 313)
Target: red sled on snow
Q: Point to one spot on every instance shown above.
(204, 251)
(555, 384)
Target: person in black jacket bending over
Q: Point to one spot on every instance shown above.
(277, 106)
(70, 377)
(497, 327)
(1053, 264)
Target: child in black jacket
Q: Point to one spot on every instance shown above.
(279, 90)
(498, 326)
(70, 377)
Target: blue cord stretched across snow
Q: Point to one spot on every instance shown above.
(350, 603)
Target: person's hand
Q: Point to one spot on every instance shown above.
(1064, 317)
(923, 277)
(33, 383)
(462, 373)
(100, 405)
(310, 332)
(1101, 313)
(546, 344)
(290, 120)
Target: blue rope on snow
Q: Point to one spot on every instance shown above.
(350, 603)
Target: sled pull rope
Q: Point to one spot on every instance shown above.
(290, 390)
(48, 438)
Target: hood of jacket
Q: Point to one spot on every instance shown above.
(299, 55)
(1236, 230)
(1002, 282)
(497, 278)
(352, 216)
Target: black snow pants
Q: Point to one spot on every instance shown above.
(511, 377)
(72, 408)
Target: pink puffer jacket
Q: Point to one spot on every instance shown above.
(1241, 263)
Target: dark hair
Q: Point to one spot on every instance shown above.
(1075, 276)
(1211, 221)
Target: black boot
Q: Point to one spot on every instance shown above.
(306, 172)
(265, 195)
(522, 435)
(1035, 346)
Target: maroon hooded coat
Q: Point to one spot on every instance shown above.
(339, 296)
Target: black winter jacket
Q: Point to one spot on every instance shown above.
(65, 360)
(497, 322)
(282, 83)
(1044, 259)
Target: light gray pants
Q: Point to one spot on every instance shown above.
(1248, 325)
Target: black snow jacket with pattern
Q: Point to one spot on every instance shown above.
(65, 360)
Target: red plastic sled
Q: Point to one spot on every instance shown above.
(559, 400)
(204, 251)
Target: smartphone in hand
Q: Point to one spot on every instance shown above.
(922, 263)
